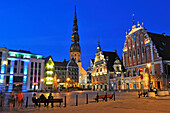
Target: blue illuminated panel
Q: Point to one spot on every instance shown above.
(12, 67)
(3, 68)
(10, 87)
(25, 68)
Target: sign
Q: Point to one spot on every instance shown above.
(34, 83)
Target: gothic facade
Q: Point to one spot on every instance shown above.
(146, 58)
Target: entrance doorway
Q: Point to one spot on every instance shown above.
(158, 84)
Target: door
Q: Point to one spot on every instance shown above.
(158, 84)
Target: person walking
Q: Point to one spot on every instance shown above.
(43, 98)
(19, 100)
(11, 100)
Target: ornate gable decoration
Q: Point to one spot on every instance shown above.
(147, 41)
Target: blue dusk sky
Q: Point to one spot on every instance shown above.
(45, 26)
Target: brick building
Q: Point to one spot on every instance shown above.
(146, 58)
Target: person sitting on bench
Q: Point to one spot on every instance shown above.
(50, 97)
(43, 98)
(34, 99)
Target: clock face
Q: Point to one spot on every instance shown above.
(134, 36)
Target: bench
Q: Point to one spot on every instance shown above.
(144, 93)
(110, 96)
(39, 101)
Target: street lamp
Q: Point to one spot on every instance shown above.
(68, 79)
(149, 65)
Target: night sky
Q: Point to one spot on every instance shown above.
(45, 26)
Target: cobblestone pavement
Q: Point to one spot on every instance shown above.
(126, 102)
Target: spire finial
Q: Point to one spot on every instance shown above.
(133, 19)
(98, 41)
(75, 10)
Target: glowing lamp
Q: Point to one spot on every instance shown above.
(42, 80)
(5, 62)
(68, 79)
(148, 65)
(1, 81)
(58, 80)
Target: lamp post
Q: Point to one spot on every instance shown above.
(68, 79)
(149, 65)
(42, 81)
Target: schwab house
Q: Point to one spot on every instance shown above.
(20, 70)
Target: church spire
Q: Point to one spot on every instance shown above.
(133, 19)
(98, 47)
(75, 35)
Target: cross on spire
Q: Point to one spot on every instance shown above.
(133, 19)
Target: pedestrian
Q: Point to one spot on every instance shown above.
(34, 99)
(11, 100)
(19, 99)
(58, 90)
(43, 98)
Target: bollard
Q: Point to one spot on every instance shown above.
(14, 103)
(106, 96)
(114, 96)
(39, 103)
(65, 102)
(86, 98)
(97, 98)
(26, 102)
(76, 100)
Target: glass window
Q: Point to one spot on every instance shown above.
(105, 78)
(129, 54)
(100, 69)
(97, 79)
(101, 78)
(9, 62)
(22, 63)
(35, 64)
(15, 70)
(39, 65)
(22, 70)
(15, 63)
(39, 72)
(32, 64)
(0, 54)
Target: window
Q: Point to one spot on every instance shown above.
(15, 70)
(100, 69)
(142, 51)
(32, 64)
(105, 78)
(22, 70)
(0, 54)
(39, 72)
(35, 64)
(15, 63)
(22, 63)
(9, 62)
(133, 53)
(39, 65)
(31, 71)
(97, 79)
(117, 68)
(130, 54)
(97, 70)
(101, 78)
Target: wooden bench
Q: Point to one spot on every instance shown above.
(47, 101)
(110, 96)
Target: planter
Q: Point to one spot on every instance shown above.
(161, 93)
(166, 92)
(151, 94)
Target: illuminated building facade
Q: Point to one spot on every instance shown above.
(107, 71)
(3, 66)
(146, 58)
(17, 70)
(49, 73)
(67, 69)
(75, 51)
